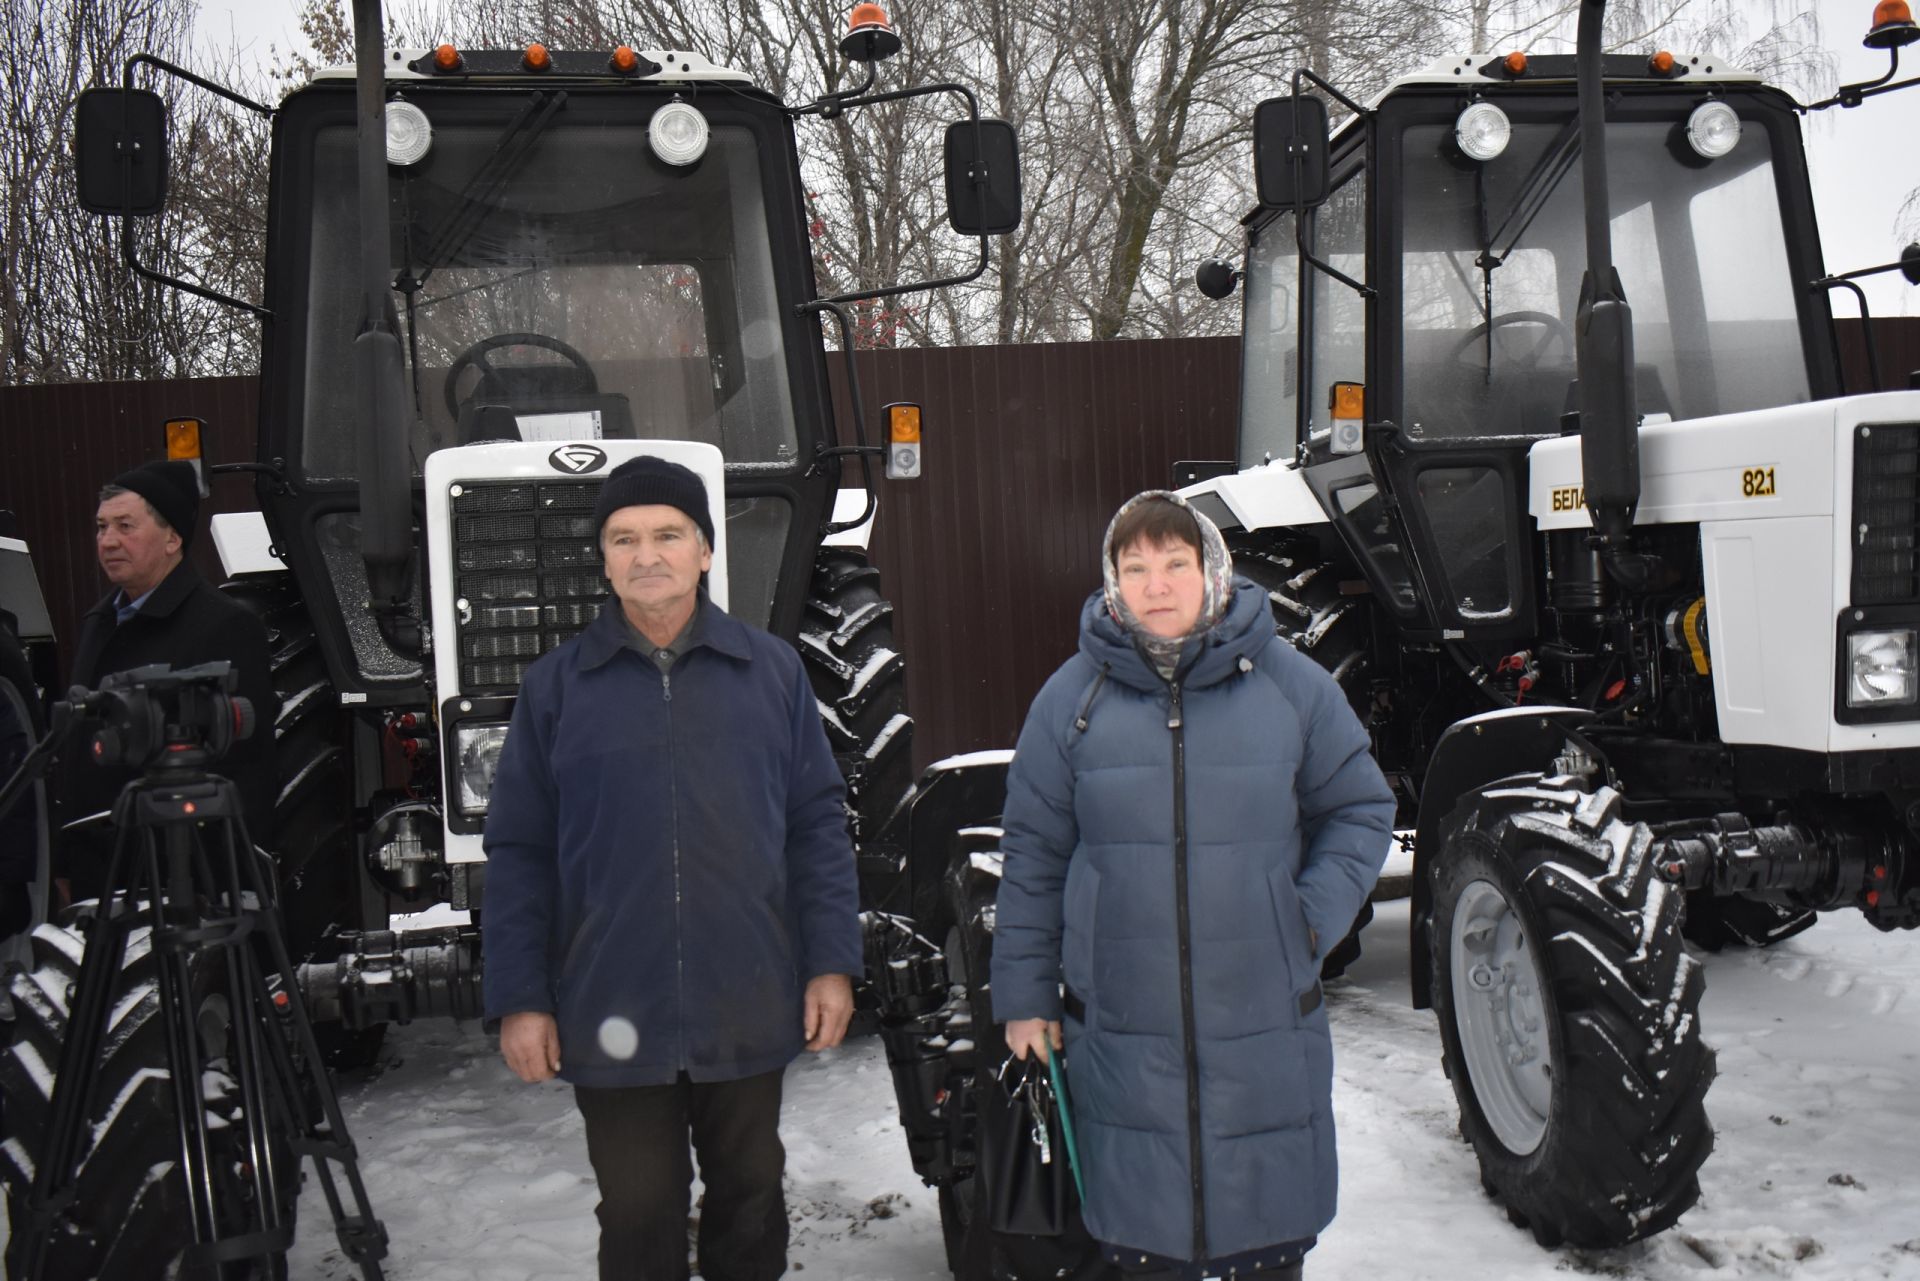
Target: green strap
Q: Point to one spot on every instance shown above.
(1066, 1123)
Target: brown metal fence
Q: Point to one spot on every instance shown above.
(60, 442)
(1028, 450)
(987, 557)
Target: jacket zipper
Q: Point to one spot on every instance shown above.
(679, 928)
(1175, 723)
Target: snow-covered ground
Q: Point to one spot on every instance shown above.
(1816, 1173)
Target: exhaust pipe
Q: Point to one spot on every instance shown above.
(386, 486)
(1609, 409)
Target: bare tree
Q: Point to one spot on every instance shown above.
(1133, 116)
(73, 310)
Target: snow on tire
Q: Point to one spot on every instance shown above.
(1569, 1013)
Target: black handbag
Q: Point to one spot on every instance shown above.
(1023, 1153)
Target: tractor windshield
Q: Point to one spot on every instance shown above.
(1492, 256)
(553, 280)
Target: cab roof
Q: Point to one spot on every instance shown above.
(501, 66)
(1486, 69)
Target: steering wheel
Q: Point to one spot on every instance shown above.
(476, 356)
(1555, 327)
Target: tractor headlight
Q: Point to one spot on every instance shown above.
(476, 756)
(1880, 668)
(409, 134)
(678, 133)
(1483, 131)
(1713, 129)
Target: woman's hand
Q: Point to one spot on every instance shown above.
(1039, 1037)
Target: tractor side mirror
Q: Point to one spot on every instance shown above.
(990, 158)
(120, 151)
(1279, 143)
(1216, 279)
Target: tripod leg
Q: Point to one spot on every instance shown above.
(248, 1049)
(183, 1035)
(306, 1088)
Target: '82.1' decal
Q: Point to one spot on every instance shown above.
(1756, 482)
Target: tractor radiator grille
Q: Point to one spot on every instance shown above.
(526, 574)
(1886, 513)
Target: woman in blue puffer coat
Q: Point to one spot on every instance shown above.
(1192, 818)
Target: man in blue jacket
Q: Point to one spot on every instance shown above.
(671, 897)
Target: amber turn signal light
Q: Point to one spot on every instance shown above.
(183, 437)
(537, 58)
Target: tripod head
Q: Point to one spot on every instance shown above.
(157, 718)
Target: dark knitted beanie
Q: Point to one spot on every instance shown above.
(647, 482)
(172, 489)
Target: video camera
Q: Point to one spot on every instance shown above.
(157, 716)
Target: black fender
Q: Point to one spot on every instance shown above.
(1472, 753)
(952, 795)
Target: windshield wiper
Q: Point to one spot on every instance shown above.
(1540, 184)
(469, 209)
(471, 206)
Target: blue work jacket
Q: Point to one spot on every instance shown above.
(1172, 848)
(668, 860)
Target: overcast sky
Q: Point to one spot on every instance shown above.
(1863, 160)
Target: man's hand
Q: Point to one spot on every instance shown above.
(1039, 1037)
(829, 1009)
(530, 1043)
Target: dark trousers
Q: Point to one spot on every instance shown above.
(637, 1140)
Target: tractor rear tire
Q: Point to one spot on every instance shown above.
(1311, 614)
(859, 683)
(1569, 1014)
(314, 847)
(130, 1207)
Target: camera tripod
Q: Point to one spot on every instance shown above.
(183, 866)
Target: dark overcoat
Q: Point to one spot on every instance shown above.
(185, 622)
(1171, 849)
(668, 860)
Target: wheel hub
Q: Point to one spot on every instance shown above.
(1500, 1015)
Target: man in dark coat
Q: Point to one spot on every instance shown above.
(161, 611)
(671, 897)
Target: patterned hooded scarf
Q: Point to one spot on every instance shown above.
(1164, 651)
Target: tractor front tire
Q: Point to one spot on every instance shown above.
(1569, 1013)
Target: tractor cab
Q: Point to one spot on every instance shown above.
(1439, 284)
(467, 247)
(569, 261)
